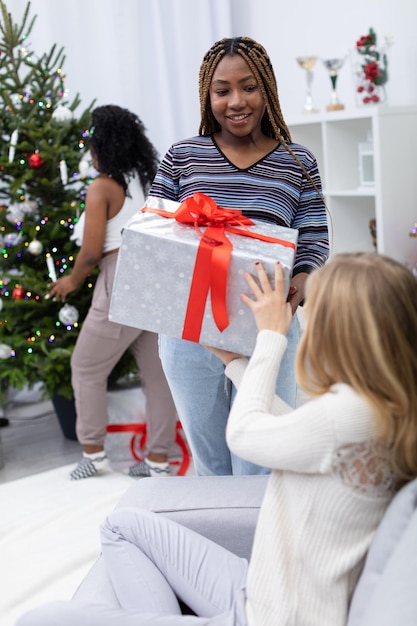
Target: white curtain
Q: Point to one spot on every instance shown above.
(145, 54)
(141, 54)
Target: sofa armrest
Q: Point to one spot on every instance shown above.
(386, 591)
(222, 508)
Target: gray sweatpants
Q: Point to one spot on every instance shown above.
(151, 561)
(99, 347)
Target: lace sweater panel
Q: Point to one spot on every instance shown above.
(365, 468)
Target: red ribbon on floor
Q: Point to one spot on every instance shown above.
(139, 429)
(213, 257)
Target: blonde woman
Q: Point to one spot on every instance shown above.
(336, 463)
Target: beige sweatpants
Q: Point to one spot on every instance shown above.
(99, 347)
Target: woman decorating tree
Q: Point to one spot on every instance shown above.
(126, 162)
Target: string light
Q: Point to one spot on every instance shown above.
(24, 101)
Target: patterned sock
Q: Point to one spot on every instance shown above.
(147, 468)
(91, 465)
(158, 469)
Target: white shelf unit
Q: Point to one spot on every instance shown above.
(334, 138)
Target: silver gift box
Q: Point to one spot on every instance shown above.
(155, 269)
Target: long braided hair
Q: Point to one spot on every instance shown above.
(255, 55)
(121, 146)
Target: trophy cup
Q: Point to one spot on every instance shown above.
(333, 66)
(307, 63)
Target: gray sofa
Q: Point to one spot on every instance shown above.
(225, 509)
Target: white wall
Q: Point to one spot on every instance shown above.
(145, 54)
(330, 29)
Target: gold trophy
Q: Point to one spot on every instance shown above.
(333, 66)
(307, 63)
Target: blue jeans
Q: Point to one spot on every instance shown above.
(203, 396)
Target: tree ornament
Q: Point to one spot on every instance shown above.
(68, 315)
(63, 169)
(16, 211)
(29, 206)
(50, 264)
(35, 160)
(18, 293)
(1, 304)
(35, 247)
(62, 114)
(5, 351)
(84, 165)
(12, 239)
(13, 143)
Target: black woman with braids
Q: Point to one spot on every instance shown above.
(244, 159)
(126, 163)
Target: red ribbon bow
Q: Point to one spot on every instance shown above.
(213, 257)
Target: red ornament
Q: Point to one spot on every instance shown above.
(371, 70)
(35, 160)
(18, 293)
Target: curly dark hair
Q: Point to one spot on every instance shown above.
(120, 145)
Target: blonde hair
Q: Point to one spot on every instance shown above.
(361, 330)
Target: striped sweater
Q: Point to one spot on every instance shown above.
(275, 189)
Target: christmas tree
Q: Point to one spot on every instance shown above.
(43, 166)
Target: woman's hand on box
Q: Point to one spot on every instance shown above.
(270, 307)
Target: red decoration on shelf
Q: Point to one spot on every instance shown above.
(18, 293)
(372, 74)
(35, 160)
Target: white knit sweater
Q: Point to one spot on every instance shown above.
(329, 487)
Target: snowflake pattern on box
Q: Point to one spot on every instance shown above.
(155, 269)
